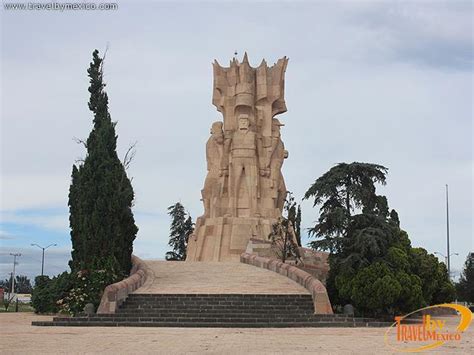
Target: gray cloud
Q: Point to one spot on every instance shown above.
(437, 34)
(5, 236)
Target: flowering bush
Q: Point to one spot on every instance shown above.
(70, 292)
(88, 286)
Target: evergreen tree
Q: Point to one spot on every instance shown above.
(465, 286)
(372, 263)
(340, 191)
(101, 195)
(181, 228)
(297, 225)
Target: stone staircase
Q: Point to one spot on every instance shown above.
(216, 310)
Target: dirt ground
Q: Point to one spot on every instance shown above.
(17, 336)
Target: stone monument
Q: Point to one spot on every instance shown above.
(244, 191)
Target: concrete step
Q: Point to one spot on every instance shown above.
(217, 295)
(222, 305)
(203, 301)
(216, 310)
(142, 312)
(212, 318)
(164, 313)
(217, 298)
(200, 324)
(218, 304)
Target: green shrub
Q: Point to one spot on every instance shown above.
(69, 293)
(48, 291)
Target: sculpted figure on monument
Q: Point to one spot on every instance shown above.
(279, 154)
(244, 165)
(214, 153)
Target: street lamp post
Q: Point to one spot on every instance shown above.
(42, 260)
(448, 260)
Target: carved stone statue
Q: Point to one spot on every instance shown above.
(243, 155)
(244, 190)
(214, 152)
(276, 162)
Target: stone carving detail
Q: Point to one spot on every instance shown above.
(244, 190)
(214, 151)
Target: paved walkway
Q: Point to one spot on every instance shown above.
(17, 336)
(216, 277)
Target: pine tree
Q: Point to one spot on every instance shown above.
(341, 190)
(181, 228)
(101, 195)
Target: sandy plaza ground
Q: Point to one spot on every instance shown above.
(17, 336)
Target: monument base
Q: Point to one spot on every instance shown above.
(226, 238)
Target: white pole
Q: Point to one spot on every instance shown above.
(13, 273)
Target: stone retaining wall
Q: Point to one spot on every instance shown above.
(116, 293)
(313, 262)
(321, 302)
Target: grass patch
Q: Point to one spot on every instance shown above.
(22, 307)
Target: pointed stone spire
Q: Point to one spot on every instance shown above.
(216, 64)
(246, 59)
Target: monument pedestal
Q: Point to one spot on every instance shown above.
(225, 238)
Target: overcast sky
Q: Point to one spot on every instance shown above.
(381, 82)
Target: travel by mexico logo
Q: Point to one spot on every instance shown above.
(428, 328)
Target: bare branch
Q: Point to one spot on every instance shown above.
(129, 155)
(105, 51)
(80, 141)
(103, 60)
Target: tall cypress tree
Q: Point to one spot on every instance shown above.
(298, 225)
(101, 195)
